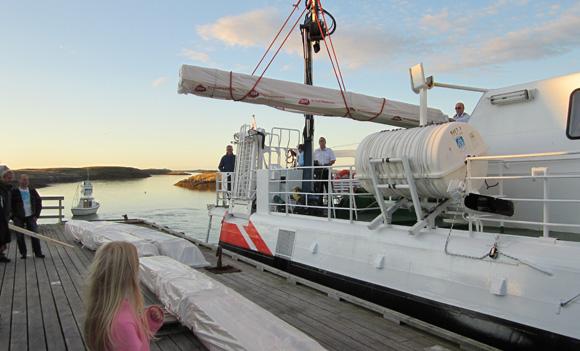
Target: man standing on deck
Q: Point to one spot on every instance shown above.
(323, 156)
(460, 115)
(26, 207)
(6, 177)
(228, 163)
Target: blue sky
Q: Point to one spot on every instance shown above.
(94, 83)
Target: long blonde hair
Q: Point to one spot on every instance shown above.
(113, 276)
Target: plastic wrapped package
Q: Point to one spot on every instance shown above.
(167, 245)
(220, 317)
(92, 235)
(300, 98)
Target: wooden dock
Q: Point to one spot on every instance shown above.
(41, 307)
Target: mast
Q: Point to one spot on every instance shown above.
(308, 132)
(313, 30)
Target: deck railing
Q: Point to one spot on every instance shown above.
(224, 183)
(289, 198)
(59, 207)
(551, 169)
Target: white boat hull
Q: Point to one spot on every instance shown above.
(82, 211)
(504, 301)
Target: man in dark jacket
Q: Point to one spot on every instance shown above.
(228, 164)
(26, 207)
(6, 177)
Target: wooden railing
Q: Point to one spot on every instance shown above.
(60, 207)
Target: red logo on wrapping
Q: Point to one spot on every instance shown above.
(200, 88)
(304, 101)
(254, 94)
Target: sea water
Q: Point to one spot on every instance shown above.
(156, 199)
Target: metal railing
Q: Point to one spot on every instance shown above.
(333, 184)
(548, 168)
(59, 207)
(224, 183)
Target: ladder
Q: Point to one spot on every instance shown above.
(248, 159)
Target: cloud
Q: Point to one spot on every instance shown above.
(247, 29)
(552, 38)
(195, 55)
(356, 46)
(438, 21)
(159, 82)
(485, 40)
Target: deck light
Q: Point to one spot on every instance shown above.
(511, 97)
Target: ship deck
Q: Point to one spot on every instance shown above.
(41, 307)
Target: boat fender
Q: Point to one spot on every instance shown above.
(489, 204)
(493, 253)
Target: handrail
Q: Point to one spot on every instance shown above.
(516, 156)
(537, 171)
(222, 191)
(336, 188)
(60, 207)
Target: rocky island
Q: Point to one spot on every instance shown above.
(202, 181)
(42, 177)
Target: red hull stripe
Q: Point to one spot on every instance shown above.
(257, 239)
(230, 233)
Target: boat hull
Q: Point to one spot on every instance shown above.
(511, 301)
(79, 212)
(488, 329)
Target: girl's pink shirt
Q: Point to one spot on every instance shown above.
(125, 332)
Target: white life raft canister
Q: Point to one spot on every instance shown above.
(436, 155)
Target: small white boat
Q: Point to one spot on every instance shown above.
(86, 204)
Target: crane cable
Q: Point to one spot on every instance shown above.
(337, 70)
(252, 92)
(333, 57)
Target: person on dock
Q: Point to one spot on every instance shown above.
(460, 114)
(6, 177)
(228, 164)
(323, 156)
(26, 207)
(115, 318)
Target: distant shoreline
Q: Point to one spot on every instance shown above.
(43, 177)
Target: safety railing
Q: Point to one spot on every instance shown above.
(224, 183)
(335, 190)
(280, 142)
(513, 175)
(59, 208)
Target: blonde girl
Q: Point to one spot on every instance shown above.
(115, 319)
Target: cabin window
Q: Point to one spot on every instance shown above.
(573, 129)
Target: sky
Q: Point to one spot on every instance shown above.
(86, 83)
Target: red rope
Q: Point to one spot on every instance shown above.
(277, 35)
(342, 92)
(378, 113)
(332, 46)
(231, 89)
(339, 76)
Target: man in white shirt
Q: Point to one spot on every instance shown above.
(460, 115)
(323, 156)
(26, 208)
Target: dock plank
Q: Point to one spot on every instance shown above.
(51, 323)
(6, 296)
(69, 292)
(70, 330)
(34, 308)
(19, 334)
(186, 342)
